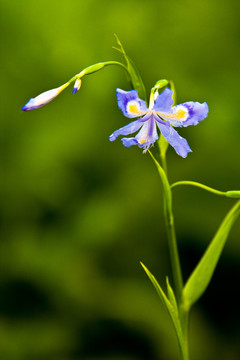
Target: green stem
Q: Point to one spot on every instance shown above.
(164, 162)
(231, 194)
(96, 67)
(171, 235)
(107, 63)
(172, 243)
(174, 257)
(184, 349)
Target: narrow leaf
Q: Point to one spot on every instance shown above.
(171, 308)
(171, 296)
(201, 276)
(135, 77)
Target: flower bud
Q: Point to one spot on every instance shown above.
(44, 98)
(77, 86)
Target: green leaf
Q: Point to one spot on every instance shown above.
(201, 276)
(134, 75)
(170, 304)
(171, 296)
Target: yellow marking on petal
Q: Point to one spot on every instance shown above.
(180, 114)
(133, 109)
(142, 141)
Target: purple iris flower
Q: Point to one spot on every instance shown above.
(160, 114)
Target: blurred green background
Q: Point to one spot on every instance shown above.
(78, 213)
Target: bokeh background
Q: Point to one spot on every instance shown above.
(78, 213)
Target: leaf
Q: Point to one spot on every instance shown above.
(170, 304)
(171, 296)
(201, 276)
(134, 75)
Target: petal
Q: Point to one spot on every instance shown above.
(129, 141)
(126, 130)
(189, 113)
(130, 104)
(175, 140)
(164, 101)
(44, 98)
(148, 133)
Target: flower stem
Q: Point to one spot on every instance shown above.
(175, 261)
(231, 194)
(184, 349)
(171, 235)
(96, 67)
(174, 257)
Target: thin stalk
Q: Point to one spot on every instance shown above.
(173, 250)
(96, 67)
(174, 257)
(171, 235)
(231, 194)
(184, 349)
(164, 162)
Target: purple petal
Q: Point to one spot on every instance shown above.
(148, 133)
(126, 130)
(196, 112)
(164, 101)
(130, 104)
(129, 141)
(189, 113)
(175, 140)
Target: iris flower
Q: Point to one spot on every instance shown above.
(160, 114)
